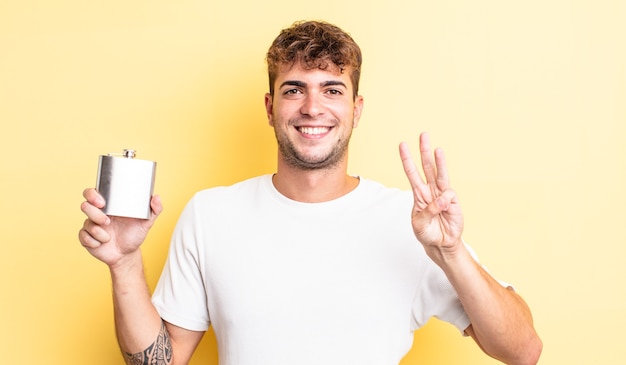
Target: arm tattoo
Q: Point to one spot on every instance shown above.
(159, 353)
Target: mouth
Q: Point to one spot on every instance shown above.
(313, 131)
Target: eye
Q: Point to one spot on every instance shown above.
(292, 92)
(334, 92)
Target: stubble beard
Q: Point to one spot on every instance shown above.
(298, 160)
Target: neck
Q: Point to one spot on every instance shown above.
(313, 186)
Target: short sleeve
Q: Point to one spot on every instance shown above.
(180, 295)
(437, 298)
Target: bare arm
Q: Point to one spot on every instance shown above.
(501, 321)
(142, 336)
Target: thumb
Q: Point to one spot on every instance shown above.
(438, 205)
(157, 207)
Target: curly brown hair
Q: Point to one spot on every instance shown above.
(314, 44)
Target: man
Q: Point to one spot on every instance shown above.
(309, 265)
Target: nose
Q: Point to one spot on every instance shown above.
(312, 105)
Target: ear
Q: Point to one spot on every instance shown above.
(358, 108)
(269, 103)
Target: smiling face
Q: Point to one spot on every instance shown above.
(313, 112)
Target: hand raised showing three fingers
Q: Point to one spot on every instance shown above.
(436, 217)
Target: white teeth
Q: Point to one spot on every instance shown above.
(314, 130)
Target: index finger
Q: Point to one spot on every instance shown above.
(415, 179)
(93, 197)
(92, 207)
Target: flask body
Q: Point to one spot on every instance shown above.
(127, 185)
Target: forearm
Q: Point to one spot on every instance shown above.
(501, 321)
(141, 334)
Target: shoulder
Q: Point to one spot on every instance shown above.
(246, 187)
(220, 200)
(380, 192)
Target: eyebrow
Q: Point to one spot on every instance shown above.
(303, 84)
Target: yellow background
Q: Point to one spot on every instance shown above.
(527, 98)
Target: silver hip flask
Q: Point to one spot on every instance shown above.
(126, 184)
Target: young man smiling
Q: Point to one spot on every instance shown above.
(313, 113)
(309, 265)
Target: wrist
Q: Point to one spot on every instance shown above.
(449, 256)
(126, 264)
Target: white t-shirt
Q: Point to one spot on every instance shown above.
(285, 282)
